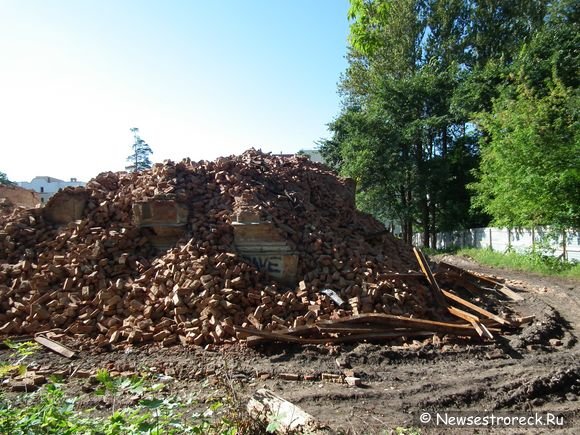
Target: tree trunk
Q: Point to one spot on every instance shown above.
(433, 224)
(424, 205)
(444, 140)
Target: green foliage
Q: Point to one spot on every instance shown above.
(21, 351)
(139, 160)
(303, 153)
(52, 414)
(50, 411)
(429, 83)
(531, 262)
(115, 386)
(530, 170)
(4, 179)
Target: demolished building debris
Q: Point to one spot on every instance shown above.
(242, 248)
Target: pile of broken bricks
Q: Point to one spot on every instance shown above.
(165, 256)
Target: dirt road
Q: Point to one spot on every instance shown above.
(538, 369)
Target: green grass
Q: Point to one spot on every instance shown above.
(530, 262)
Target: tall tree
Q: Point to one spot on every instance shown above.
(139, 160)
(418, 71)
(402, 71)
(530, 171)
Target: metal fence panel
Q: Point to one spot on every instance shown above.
(567, 243)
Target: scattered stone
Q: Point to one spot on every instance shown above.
(332, 377)
(494, 354)
(353, 381)
(23, 386)
(555, 342)
(290, 376)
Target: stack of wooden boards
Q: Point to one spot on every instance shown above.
(98, 278)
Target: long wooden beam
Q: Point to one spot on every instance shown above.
(424, 265)
(382, 335)
(464, 315)
(502, 288)
(400, 322)
(473, 320)
(474, 307)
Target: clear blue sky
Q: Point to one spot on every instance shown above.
(200, 79)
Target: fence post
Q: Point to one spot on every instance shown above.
(564, 253)
(490, 239)
(533, 240)
(509, 240)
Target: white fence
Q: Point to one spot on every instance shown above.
(567, 244)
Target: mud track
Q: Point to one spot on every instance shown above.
(537, 369)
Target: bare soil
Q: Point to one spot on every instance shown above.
(538, 369)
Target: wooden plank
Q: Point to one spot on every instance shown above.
(342, 328)
(354, 338)
(367, 329)
(486, 331)
(481, 330)
(375, 336)
(510, 293)
(473, 320)
(266, 405)
(502, 288)
(430, 278)
(474, 307)
(477, 327)
(298, 330)
(524, 320)
(459, 281)
(463, 314)
(54, 346)
(400, 321)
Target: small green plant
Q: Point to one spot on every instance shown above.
(273, 423)
(114, 386)
(21, 351)
(50, 411)
(51, 414)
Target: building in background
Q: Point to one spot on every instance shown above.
(313, 155)
(48, 186)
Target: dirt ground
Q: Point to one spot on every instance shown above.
(535, 370)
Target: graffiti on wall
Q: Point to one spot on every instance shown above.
(269, 264)
(282, 267)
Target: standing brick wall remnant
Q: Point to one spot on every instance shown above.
(20, 197)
